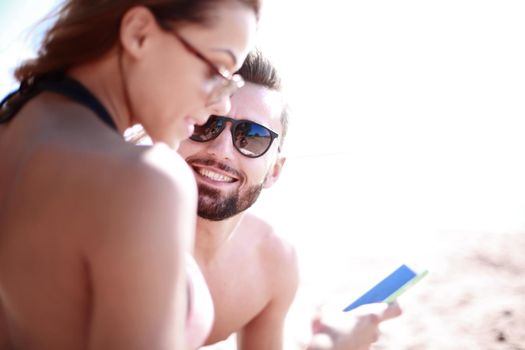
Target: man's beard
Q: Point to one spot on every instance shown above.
(213, 206)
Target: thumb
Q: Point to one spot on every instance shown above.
(317, 326)
(391, 311)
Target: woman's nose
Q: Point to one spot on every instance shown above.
(221, 107)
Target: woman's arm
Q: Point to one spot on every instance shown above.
(136, 268)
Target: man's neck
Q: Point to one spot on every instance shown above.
(212, 237)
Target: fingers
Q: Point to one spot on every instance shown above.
(355, 330)
(322, 327)
(361, 337)
(393, 310)
(382, 310)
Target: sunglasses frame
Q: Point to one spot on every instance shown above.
(233, 127)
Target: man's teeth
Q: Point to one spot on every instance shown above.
(214, 176)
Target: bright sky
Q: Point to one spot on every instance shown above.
(18, 40)
(420, 103)
(408, 116)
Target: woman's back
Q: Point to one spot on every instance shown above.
(72, 198)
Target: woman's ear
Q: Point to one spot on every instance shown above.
(275, 172)
(137, 26)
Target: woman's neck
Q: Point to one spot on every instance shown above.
(103, 78)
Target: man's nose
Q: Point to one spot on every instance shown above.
(222, 146)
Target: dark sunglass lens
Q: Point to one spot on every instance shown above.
(208, 131)
(252, 139)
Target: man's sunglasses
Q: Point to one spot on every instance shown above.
(250, 139)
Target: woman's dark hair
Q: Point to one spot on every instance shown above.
(86, 29)
(257, 69)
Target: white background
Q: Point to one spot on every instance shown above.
(408, 118)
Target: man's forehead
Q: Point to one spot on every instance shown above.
(257, 103)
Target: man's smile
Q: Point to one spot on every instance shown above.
(212, 175)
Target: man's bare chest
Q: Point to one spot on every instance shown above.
(239, 294)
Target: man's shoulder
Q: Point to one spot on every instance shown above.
(273, 248)
(262, 231)
(278, 264)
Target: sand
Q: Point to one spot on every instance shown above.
(476, 301)
(472, 299)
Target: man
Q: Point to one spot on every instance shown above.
(251, 272)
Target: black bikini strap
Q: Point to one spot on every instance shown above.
(60, 84)
(77, 92)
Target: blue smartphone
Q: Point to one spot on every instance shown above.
(389, 288)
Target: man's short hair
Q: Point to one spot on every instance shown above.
(258, 70)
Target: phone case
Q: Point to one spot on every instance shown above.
(389, 288)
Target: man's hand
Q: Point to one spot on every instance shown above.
(354, 330)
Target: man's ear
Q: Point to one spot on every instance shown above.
(275, 172)
(136, 27)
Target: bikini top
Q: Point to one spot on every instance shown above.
(58, 83)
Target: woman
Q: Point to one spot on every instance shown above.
(94, 230)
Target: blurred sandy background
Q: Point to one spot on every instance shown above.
(406, 146)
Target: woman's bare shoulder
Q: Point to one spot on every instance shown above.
(88, 174)
(84, 142)
(162, 160)
(132, 189)
(148, 198)
(155, 176)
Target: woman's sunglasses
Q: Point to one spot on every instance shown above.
(250, 139)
